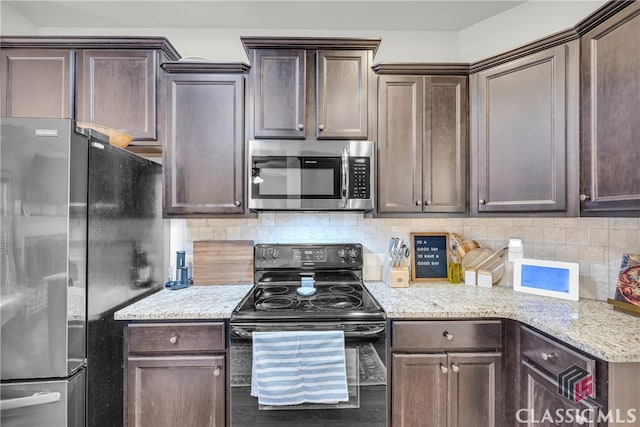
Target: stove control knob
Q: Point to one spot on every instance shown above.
(276, 254)
(342, 254)
(263, 254)
(353, 254)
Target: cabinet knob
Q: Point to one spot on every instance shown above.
(218, 371)
(321, 127)
(482, 201)
(447, 335)
(300, 126)
(444, 369)
(418, 202)
(455, 368)
(584, 197)
(237, 203)
(173, 339)
(547, 356)
(428, 203)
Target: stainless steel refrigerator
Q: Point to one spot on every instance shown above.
(82, 235)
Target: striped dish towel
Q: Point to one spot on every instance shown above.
(293, 367)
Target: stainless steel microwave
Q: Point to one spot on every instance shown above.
(311, 175)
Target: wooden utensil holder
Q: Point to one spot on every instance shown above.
(398, 277)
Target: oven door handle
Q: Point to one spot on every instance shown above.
(345, 176)
(247, 331)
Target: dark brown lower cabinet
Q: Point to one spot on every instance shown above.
(175, 374)
(542, 405)
(446, 389)
(176, 391)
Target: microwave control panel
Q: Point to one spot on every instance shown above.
(359, 177)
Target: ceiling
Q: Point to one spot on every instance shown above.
(381, 15)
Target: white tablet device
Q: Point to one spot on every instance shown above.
(549, 278)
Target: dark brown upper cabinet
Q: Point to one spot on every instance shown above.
(203, 156)
(37, 82)
(108, 81)
(422, 143)
(524, 140)
(610, 129)
(304, 88)
(117, 88)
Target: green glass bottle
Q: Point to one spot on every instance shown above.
(454, 269)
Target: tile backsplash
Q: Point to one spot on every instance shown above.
(597, 244)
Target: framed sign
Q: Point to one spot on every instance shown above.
(430, 254)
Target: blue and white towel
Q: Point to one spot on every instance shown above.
(294, 367)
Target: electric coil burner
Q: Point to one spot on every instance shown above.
(334, 271)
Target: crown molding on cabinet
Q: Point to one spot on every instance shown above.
(342, 43)
(414, 68)
(93, 42)
(205, 67)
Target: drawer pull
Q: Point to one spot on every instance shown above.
(455, 368)
(444, 369)
(547, 357)
(217, 372)
(173, 339)
(447, 335)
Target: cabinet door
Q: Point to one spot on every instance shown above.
(203, 156)
(175, 391)
(521, 152)
(610, 175)
(37, 83)
(279, 93)
(542, 405)
(117, 88)
(400, 144)
(342, 94)
(445, 144)
(475, 395)
(419, 390)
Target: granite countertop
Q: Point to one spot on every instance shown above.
(194, 302)
(591, 326)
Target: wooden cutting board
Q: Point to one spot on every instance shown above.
(222, 262)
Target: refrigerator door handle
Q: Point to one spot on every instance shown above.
(36, 399)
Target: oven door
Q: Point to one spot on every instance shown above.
(365, 353)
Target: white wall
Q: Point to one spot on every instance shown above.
(225, 45)
(13, 23)
(515, 27)
(521, 25)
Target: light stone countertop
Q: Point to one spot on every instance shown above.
(194, 302)
(591, 326)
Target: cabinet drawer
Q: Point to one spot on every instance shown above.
(550, 355)
(446, 335)
(176, 337)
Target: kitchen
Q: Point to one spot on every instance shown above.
(595, 242)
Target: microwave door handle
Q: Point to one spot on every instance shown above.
(345, 176)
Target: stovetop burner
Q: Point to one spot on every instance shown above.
(337, 277)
